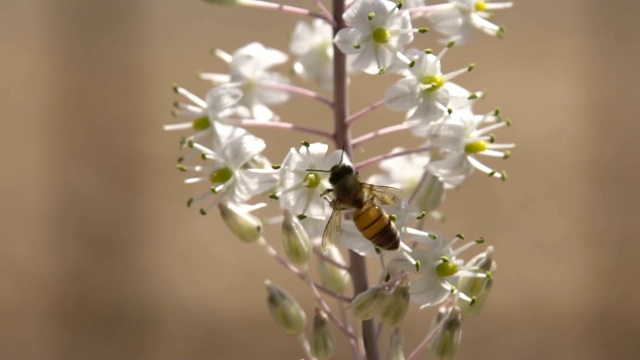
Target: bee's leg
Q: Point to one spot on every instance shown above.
(324, 193)
(383, 265)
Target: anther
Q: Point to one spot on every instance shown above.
(371, 15)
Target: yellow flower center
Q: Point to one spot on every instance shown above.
(312, 180)
(436, 82)
(201, 123)
(481, 6)
(221, 175)
(381, 35)
(446, 268)
(475, 147)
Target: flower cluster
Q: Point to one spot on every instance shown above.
(317, 195)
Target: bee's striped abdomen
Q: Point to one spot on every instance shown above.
(375, 225)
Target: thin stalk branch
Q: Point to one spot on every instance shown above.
(305, 346)
(353, 118)
(427, 340)
(283, 125)
(300, 91)
(282, 7)
(379, 132)
(379, 158)
(326, 258)
(271, 251)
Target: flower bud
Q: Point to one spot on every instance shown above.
(285, 310)
(367, 304)
(246, 226)
(395, 305)
(322, 344)
(430, 194)
(477, 287)
(396, 349)
(447, 341)
(333, 277)
(295, 240)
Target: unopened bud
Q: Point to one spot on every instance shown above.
(295, 240)
(333, 277)
(396, 349)
(447, 341)
(430, 193)
(322, 344)
(367, 304)
(395, 305)
(246, 226)
(477, 287)
(285, 310)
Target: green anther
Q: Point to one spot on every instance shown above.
(221, 175)
(412, 64)
(276, 166)
(496, 112)
(436, 82)
(421, 215)
(381, 35)
(393, 217)
(503, 175)
(190, 143)
(418, 266)
(305, 143)
(182, 142)
(189, 202)
(182, 167)
(301, 217)
(371, 15)
(472, 97)
(356, 46)
(489, 275)
(274, 196)
(382, 71)
(480, 240)
(474, 299)
(453, 289)
(201, 123)
(378, 251)
(507, 154)
(203, 212)
(509, 122)
(312, 180)
(387, 277)
(180, 159)
(423, 30)
(400, 4)
(449, 111)
(492, 138)
(203, 156)
(460, 236)
(444, 259)
(175, 88)
(446, 269)
(481, 6)
(450, 44)
(471, 66)
(214, 189)
(428, 51)
(476, 147)
(432, 236)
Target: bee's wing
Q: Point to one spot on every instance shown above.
(333, 228)
(385, 195)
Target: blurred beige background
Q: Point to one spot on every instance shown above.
(100, 258)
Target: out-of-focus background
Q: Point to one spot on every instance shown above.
(101, 259)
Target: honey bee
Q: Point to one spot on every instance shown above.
(372, 222)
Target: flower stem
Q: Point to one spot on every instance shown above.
(281, 7)
(300, 91)
(284, 125)
(353, 118)
(380, 132)
(342, 138)
(305, 346)
(379, 158)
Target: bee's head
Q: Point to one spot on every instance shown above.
(339, 172)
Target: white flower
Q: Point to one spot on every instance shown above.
(300, 189)
(228, 169)
(249, 66)
(440, 268)
(377, 34)
(314, 46)
(459, 139)
(457, 20)
(425, 91)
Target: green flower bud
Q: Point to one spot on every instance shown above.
(322, 344)
(333, 277)
(295, 240)
(367, 304)
(246, 226)
(430, 194)
(396, 304)
(477, 287)
(285, 310)
(396, 349)
(446, 343)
